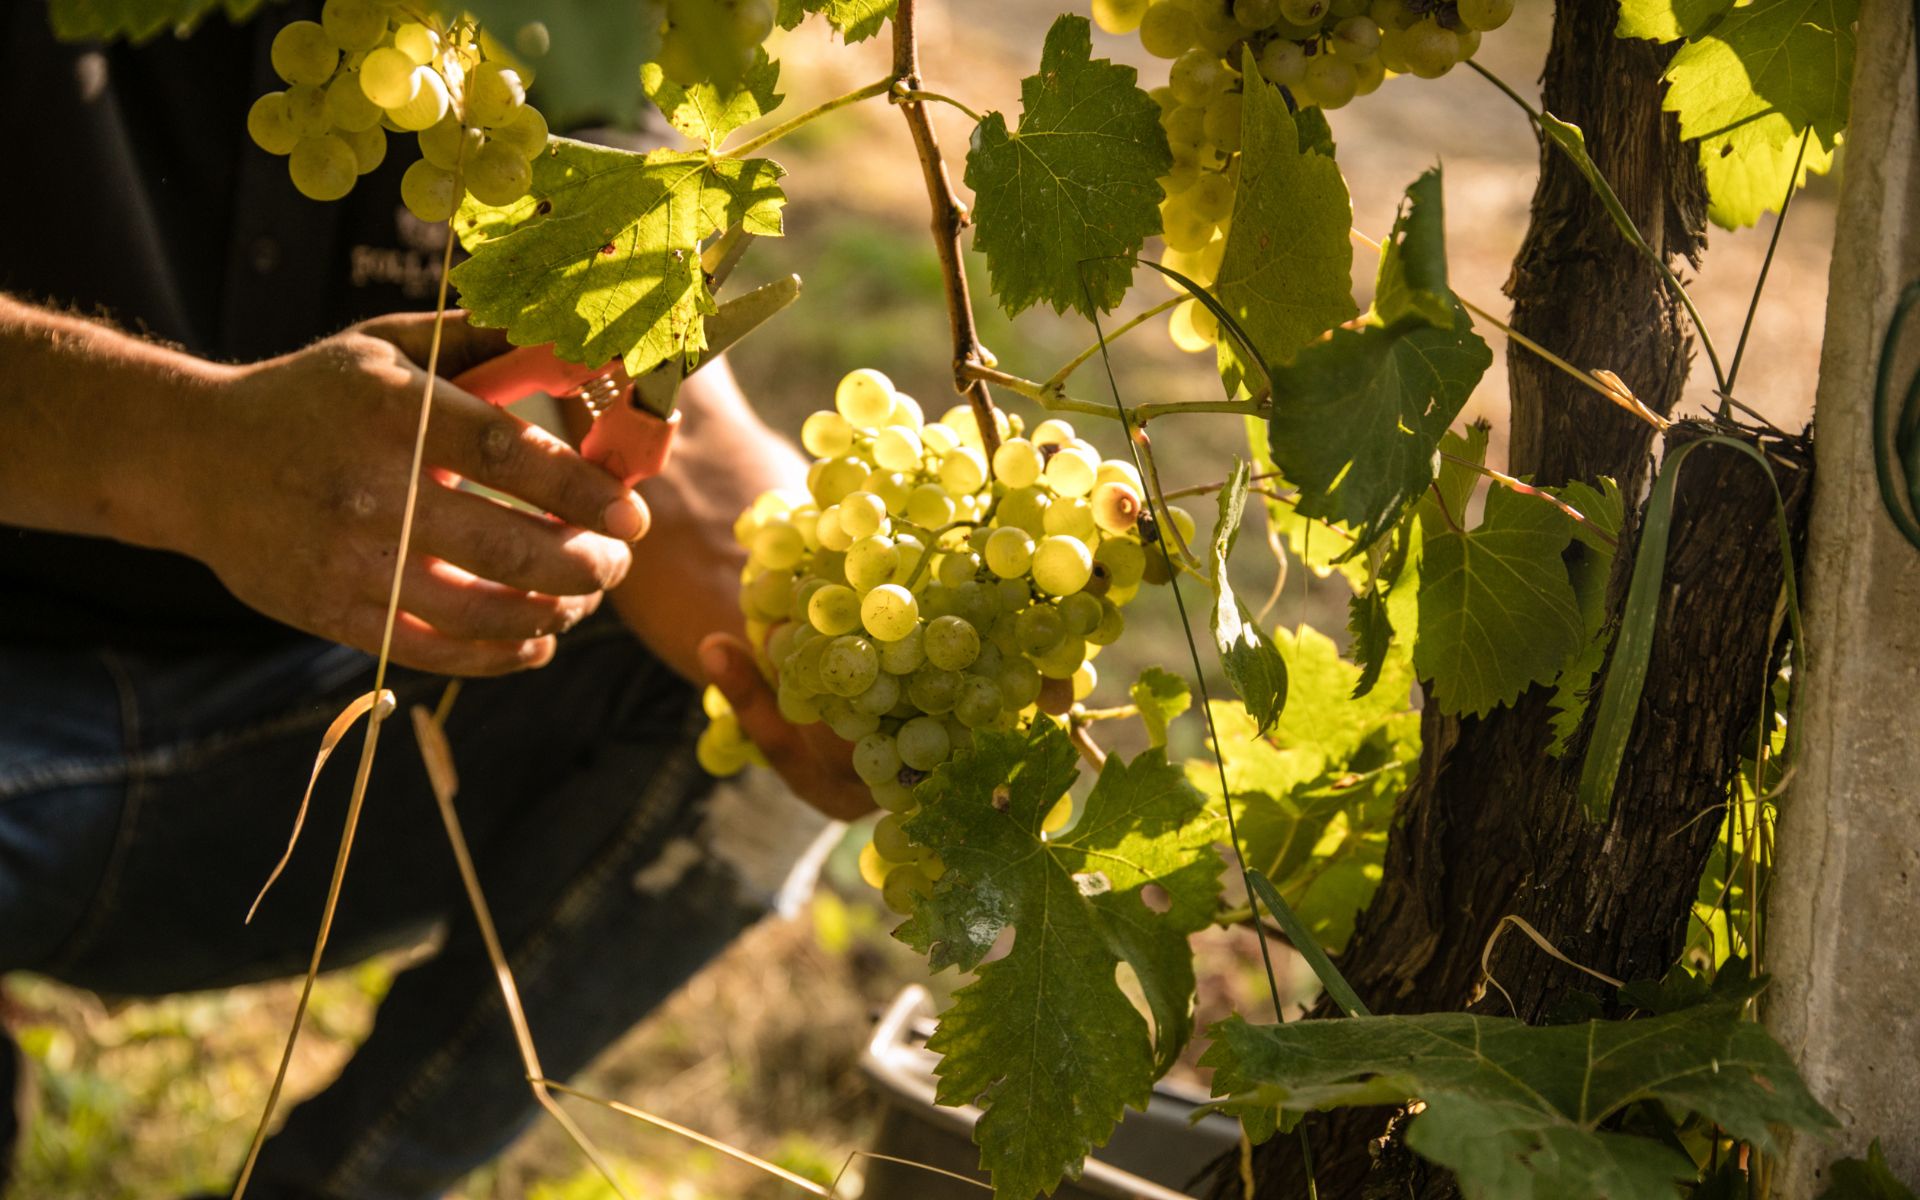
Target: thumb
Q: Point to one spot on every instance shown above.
(729, 665)
(462, 344)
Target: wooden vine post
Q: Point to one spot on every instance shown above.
(1842, 947)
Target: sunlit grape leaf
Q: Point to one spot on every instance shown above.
(1497, 610)
(1517, 1111)
(1285, 273)
(1044, 1040)
(1412, 282)
(138, 20)
(1160, 696)
(611, 267)
(1868, 1178)
(588, 74)
(857, 20)
(1667, 20)
(1748, 85)
(1320, 546)
(1357, 417)
(708, 112)
(1370, 631)
(1589, 563)
(1073, 192)
(1247, 654)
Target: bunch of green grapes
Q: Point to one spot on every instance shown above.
(1324, 52)
(370, 67)
(705, 40)
(914, 596)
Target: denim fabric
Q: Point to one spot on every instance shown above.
(144, 798)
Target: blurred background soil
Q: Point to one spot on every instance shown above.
(157, 1099)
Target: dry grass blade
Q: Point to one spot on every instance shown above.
(1540, 940)
(384, 701)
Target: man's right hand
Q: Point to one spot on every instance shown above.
(292, 483)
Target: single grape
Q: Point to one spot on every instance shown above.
(495, 94)
(1039, 629)
(323, 168)
(1369, 75)
(1024, 509)
(893, 796)
(354, 25)
(1020, 683)
(893, 487)
(1080, 613)
(797, 704)
(958, 567)
(778, 546)
(1196, 76)
(897, 449)
(497, 175)
(905, 887)
(1284, 62)
(532, 40)
(526, 132)
(862, 514)
(307, 110)
(923, 743)
(1480, 15)
(835, 609)
(1224, 114)
(429, 192)
(904, 655)
(386, 76)
(1061, 564)
(865, 397)
(836, 478)
(1186, 126)
(1331, 83)
(1256, 14)
(720, 750)
(1085, 679)
(1303, 12)
(980, 701)
(952, 643)
(963, 471)
(849, 665)
(1072, 471)
(826, 434)
(753, 20)
(448, 145)
(1430, 49)
(1063, 660)
(880, 697)
(1124, 559)
(876, 759)
(1181, 226)
(929, 506)
(270, 124)
(871, 561)
(369, 147)
(1355, 39)
(847, 724)
(889, 612)
(906, 412)
(1185, 327)
(429, 103)
(873, 868)
(909, 552)
(1167, 29)
(1009, 552)
(1119, 16)
(303, 53)
(1017, 463)
(1212, 197)
(417, 42)
(934, 690)
(1073, 517)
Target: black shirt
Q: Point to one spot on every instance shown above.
(136, 195)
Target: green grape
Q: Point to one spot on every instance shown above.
(495, 94)
(1112, 624)
(952, 643)
(1024, 509)
(1009, 552)
(862, 514)
(430, 193)
(778, 546)
(354, 24)
(1016, 463)
(1479, 15)
(323, 168)
(958, 567)
(1052, 432)
(1430, 49)
(876, 759)
(1118, 470)
(1197, 76)
(797, 704)
(903, 655)
(526, 132)
(387, 77)
(346, 105)
(871, 561)
(897, 449)
(923, 743)
(849, 666)
(781, 638)
(1186, 126)
(1085, 679)
(909, 552)
(1224, 115)
(934, 690)
(939, 439)
(889, 612)
(1167, 29)
(303, 53)
(1192, 327)
(837, 477)
(1303, 12)
(980, 701)
(307, 111)
(1081, 613)
(988, 661)
(428, 105)
(1063, 660)
(270, 124)
(1256, 14)
(753, 21)
(1181, 227)
(1119, 16)
(369, 147)
(1015, 593)
(1072, 517)
(1355, 39)
(1039, 629)
(1182, 176)
(826, 434)
(1124, 559)
(1061, 564)
(865, 397)
(447, 144)
(977, 602)
(906, 886)
(1330, 83)
(847, 724)
(679, 58)
(1072, 471)
(1020, 683)
(720, 750)
(803, 668)
(963, 470)
(1212, 197)
(1116, 507)
(497, 175)
(1284, 63)
(1369, 75)
(417, 42)
(929, 506)
(835, 609)
(1469, 43)
(880, 697)
(892, 795)
(532, 40)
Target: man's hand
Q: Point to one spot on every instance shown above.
(292, 485)
(815, 763)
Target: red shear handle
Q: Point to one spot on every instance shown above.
(631, 443)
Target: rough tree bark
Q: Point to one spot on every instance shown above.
(1492, 825)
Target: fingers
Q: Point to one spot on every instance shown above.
(498, 449)
(462, 605)
(462, 345)
(519, 550)
(418, 645)
(729, 666)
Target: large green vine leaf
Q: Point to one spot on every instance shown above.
(1074, 191)
(1589, 566)
(1285, 271)
(1516, 1111)
(856, 20)
(603, 257)
(138, 20)
(1498, 611)
(708, 112)
(1044, 1040)
(1412, 280)
(1667, 20)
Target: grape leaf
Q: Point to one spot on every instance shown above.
(1412, 281)
(1517, 1112)
(1667, 20)
(138, 20)
(1357, 417)
(1160, 696)
(1252, 662)
(1868, 1178)
(1286, 269)
(1320, 546)
(611, 267)
(1073, 192)
(587, 75)
(1749, 165)
(1497, 609)
(708, 112)
(1044, 1040)
(857, 20)
(1589, 565)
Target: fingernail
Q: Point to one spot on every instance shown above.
(624, 519)
(714, 660)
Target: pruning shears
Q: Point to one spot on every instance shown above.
(634, 419)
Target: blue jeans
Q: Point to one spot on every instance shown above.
(143, 799)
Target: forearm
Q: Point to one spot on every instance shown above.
(89, 420)
(685, 582)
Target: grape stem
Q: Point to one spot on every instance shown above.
(1057, 382)
(1527, 489)
(1082, 738)
(918, 94)
(948, 218)
(878, 87)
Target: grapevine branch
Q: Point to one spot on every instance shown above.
(949, 218)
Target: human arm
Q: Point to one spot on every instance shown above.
(288, 478)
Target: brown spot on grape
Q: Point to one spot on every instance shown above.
(543, 208)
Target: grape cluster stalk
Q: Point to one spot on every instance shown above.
(912, 596)
(1323, 52)
(368, 68)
